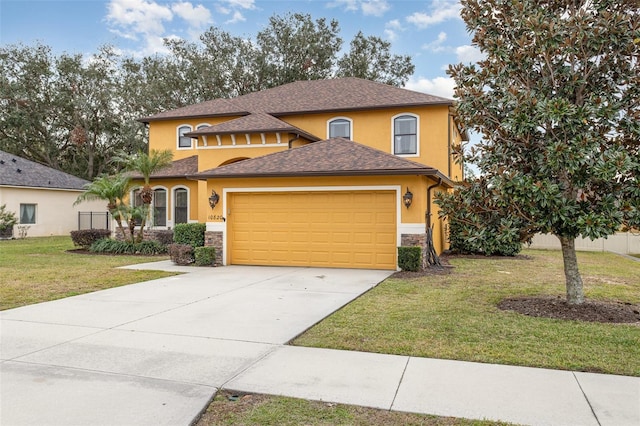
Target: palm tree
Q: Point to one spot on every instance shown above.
(112, 189)
(146, 165)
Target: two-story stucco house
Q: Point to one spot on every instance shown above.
(334, 173)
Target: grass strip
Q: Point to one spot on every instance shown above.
(40, 269)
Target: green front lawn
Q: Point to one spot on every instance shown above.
(37, 269)
(455, 316)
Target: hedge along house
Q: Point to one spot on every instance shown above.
(334, 173)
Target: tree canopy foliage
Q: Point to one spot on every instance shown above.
(557, 101)
(73, 112)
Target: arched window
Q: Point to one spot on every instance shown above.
(339, 128)
(184, 141)
(159, 207)
(405, 135)
(180, 206)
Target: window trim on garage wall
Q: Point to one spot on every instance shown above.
(222, 226)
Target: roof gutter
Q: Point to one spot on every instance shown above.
(401, 172)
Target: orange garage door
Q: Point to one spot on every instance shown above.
(345, 229)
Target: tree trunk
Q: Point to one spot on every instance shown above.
(575, 293)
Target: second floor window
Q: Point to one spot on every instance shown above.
(184, 141)
(340, 128)
(405, 135)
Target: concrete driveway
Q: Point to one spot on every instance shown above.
(155, 352)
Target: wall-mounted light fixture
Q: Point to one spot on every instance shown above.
(213, 200)
(407, 198)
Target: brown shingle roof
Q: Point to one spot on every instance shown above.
(340, 94)
(331, 157)
(17, 171)
(177, 169)
(253, 123)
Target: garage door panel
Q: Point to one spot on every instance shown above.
(331, 229)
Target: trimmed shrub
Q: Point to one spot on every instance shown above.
(86, 237)
(205, 256)
(189, 233)
(181, 254)
(164, 237)
(410, 258)
(147, 248)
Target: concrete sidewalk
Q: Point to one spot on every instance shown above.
(156, 352)
(521, 395)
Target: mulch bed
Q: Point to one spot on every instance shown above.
(557, 307)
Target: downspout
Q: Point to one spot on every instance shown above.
(430, 255)
(449, 144)
(428, 213)
(294, 139)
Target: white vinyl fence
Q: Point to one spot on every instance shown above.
(621, 242)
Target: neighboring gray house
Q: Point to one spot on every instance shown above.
(43, 197)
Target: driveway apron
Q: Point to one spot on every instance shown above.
(156, 352)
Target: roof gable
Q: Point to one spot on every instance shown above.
(17, 171)
(177, 169)
(339, 94)
(331, 157)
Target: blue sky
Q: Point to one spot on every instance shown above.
(430, 31)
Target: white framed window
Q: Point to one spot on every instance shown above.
(405, 130)
(184, 142)
(159, 207)
(157, 214)
(202, 126)
(340, 127)
(28, 214)
(180, 205)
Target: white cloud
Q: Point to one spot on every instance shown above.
(441, 10)
(350, 5)
(145, 20)
(468, 53)
(237, 17)
(439, 86)
(241, 4)
(197, 16)
(234, 8)
(375, 7)
(137, 16)
(391, 29)
(368, 7)
(437, 44)
(390, 34)
(394, 24)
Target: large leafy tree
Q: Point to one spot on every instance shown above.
(557, 101)
(65, 111)
(371, 58)
(295, 47)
